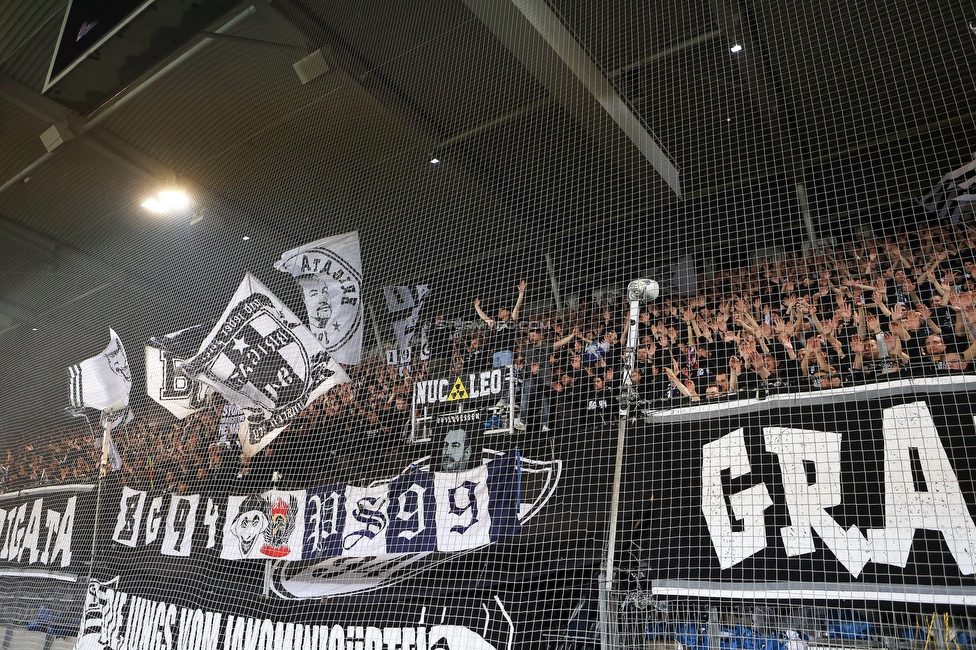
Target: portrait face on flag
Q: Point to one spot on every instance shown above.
(460, 441)
(329, 273)
(117, 361)
(261, 358)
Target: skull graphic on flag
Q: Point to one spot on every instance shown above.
(260, 357)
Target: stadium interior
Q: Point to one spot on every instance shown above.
(771, 452)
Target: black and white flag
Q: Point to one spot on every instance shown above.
(103, 380)
(261, 357)
(330, 274)
(406, 303)
(954, 193)
(165, 381)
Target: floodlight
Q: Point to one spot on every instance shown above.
(643, 290)
(167, 201)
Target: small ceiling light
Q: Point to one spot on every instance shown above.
(167, 201)
(245, 238)
(434, 161)
(33, 329)
(735, 48)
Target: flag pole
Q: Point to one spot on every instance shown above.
(98, 496)
(78, 413)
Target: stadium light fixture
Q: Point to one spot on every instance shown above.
(167, 201)
(735, 48)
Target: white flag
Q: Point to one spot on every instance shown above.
(330, 274)
(955, 192)
(165, 381)
(262, 358)
(103, 380)
(406, 303)
(111, 420)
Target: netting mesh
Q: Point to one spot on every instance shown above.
(528, 324)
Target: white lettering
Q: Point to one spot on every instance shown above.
(939, 505)
(52, 524)
(807, 500)
(496, 381)
(266, 638)
(373, 638)
(337, 638)
(729, 452)
(17, 533)
(63, 543)
(33, 533)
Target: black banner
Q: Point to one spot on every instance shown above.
(812, 490)
(47, 532)
(838, 495)
(510, 593)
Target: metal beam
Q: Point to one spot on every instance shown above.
(538, 38)
(666, 52)
(117, 149)
(542, 103)
(32, 102)
(27, 238)
(243, 40)
(84, 131)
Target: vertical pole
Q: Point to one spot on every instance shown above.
(606, 584)
(376, 327)
(511, 399)
(714, 630)
(550, 267)
(801, 197)
(98, 503)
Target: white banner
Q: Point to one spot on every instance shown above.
(165, 381)
(330, 274)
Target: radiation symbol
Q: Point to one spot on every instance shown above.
(458, 392)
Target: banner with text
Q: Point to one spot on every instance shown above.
(817, 488)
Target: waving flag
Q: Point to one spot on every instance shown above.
(330, 274)
(165, 381)
(260, 357)
(955, 191)
(103, 380)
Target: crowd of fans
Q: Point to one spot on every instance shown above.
(868, 310)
